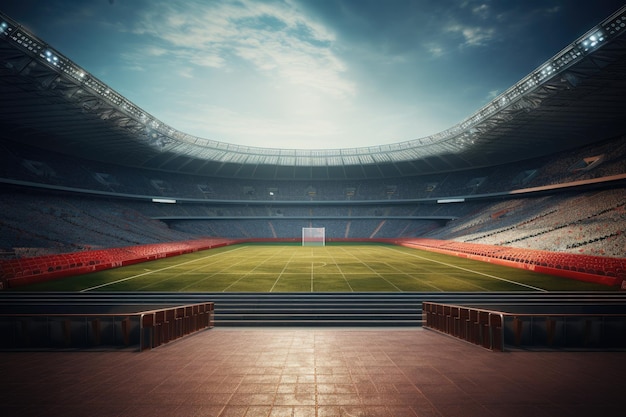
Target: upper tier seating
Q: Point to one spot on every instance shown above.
(19, 162)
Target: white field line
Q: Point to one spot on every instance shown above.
(282, 272)
(412, 276)
(247, 274)
(153, 271)
(374, 271)
(380, 276)
(476, 272)
(342, 274)
(213, 273)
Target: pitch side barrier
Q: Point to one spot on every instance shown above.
(597, 269)
(66, 324)
(25, 271)
(566, 325)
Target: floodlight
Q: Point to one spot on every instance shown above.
(593, 41)
(51, 58)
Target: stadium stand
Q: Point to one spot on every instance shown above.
(88, 175)
(90, 211)
(23, 271)
(562, 208)
(583, 267)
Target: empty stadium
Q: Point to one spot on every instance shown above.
(517, 211)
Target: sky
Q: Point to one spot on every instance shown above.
(309, 74)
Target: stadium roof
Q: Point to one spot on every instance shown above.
(575, 98)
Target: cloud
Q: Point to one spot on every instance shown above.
(482, 10)
(551, 10)
(185, 72)
(435, 50)
(154, 51)
(275, 38)
(473, 35)
(492, 94)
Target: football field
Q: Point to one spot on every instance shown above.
(332, 268)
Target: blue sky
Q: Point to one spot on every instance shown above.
(309, 73)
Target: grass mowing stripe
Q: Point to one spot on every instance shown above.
(152, 272)
(230, 265)
(281, 272)
(449, 277)
(413, 277)
(175, 277)
(203, 279)
(376, 273)
(476, 272)
(248, 273)
(379, 275)
(341, 272)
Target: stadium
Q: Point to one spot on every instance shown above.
(369, 281)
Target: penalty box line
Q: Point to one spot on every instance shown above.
(478, 273)
(151, 272)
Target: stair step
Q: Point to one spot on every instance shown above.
(307, 309)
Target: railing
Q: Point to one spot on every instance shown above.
(477, 326)
(496, 330)
(144, 329)
(161, 326)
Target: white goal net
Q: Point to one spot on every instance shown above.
(313, 236)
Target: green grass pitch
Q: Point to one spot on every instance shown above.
(332, 268)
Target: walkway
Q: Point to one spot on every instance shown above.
(317, 372)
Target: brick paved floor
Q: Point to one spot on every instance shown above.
(313, 372)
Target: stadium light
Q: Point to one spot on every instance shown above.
(51, 58)
(547, 70)
(164, 200)
(3, 27)
(593, 41)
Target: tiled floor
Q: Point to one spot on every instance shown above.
(313, 372)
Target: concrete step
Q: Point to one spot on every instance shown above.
(306, 309)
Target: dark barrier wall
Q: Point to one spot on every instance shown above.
(498, 330)
(145, 329)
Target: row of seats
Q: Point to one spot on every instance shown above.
(20, 162)
(87, 261)
(596, 265)
(590, 223)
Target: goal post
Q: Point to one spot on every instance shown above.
(313, 236)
